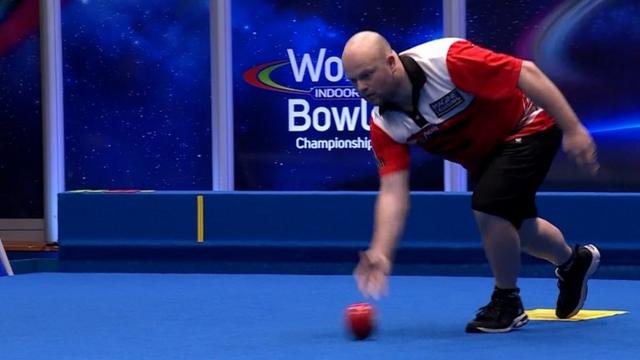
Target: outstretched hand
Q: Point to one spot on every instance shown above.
(371, 274)
(580, 148)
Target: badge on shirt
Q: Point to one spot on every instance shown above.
(446, 103)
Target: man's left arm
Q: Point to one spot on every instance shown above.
(577, 142)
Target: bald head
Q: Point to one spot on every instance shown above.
(371, 65)
(367, 44)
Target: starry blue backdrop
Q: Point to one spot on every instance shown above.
(137, 91)
(137, 94)
(591, 50)
(21, 171)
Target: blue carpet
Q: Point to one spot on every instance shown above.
(170, 316)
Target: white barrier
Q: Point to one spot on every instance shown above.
(4, 260)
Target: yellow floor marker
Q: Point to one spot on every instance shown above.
(200, 201)
(550, 314)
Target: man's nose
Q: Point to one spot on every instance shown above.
(362, 87)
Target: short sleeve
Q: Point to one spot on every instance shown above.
(391, 156)
(482, 72)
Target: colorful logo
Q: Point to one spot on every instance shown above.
(261, 76)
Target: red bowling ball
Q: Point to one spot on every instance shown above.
(360, 320)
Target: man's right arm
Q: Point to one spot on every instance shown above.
(391, 210)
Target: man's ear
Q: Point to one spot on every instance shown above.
(392, 62)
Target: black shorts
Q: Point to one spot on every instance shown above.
(506, 185)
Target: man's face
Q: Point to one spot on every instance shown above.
(371, 75)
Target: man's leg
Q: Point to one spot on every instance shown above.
(501, 243)
(541, 239)
(503, 197)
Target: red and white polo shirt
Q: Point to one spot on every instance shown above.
(467, 100)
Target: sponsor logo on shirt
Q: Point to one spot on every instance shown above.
(423, 135)
(446, 103)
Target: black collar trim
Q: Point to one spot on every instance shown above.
(418, 79)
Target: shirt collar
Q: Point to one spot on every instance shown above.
(417, 79)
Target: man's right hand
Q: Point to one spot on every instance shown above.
(371, 274)
(579, 146)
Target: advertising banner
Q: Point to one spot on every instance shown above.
(299, 123)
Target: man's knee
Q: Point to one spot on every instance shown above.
(513, 210)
